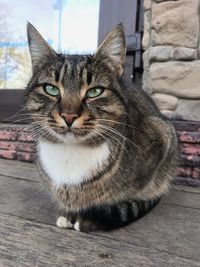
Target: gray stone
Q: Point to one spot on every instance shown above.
(147, 29)
(184, 53)
(158, 1)
(160, 53)
(198, 50)
(177, 78)
(165, 101)
(168, 113)
(188, 110)
(147, 4)
(146, 82)
(145, 58)
(175, 23)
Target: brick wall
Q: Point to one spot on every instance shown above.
(17, 143)
(188, 172)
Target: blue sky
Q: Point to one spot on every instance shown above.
(79, 30)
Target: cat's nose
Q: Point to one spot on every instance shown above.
(69, 118)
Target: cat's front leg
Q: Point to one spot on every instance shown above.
(84, 225)
(65, 221)
(77, 223)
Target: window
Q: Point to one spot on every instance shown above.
(67, 25)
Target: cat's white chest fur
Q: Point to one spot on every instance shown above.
(71, 164)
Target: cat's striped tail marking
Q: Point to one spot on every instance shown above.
(120, 214)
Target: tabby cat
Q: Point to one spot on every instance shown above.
(104, 151)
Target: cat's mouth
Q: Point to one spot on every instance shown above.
(72, 133)
(60, 132)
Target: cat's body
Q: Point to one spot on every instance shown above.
(108, 155)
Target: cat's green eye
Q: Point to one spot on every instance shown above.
(94, 92)
(51, 90)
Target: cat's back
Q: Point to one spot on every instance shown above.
(151, 126)
(138, 101)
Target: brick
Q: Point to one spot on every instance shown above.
(24, 136)
(8, 135)
(27, 147)
(8, 154)
(25, 156)
(186, 181)
(190, 126)
(184, 171)
(189, 161)
(189, 137)
(8, 145)
(190, 149)
(196, 173)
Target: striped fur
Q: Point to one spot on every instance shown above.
(112, 216)
(115, 161)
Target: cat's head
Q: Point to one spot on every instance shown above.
(76, 98)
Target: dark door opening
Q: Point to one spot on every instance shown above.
(130, 14)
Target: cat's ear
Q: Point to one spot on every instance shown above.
(39, 49)
(112, 50)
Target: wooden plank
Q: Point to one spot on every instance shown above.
(24, 243)
(169, 228)
(183, 199)
(18, 169)
(26, 199)
(184, 188)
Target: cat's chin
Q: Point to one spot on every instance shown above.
(70, 137)
(74, 136)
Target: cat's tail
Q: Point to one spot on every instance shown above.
(117, 215)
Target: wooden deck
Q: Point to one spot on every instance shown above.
(168, 236)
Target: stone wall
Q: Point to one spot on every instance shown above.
(171, 76)
(172, 56)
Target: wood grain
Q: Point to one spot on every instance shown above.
(183, 198)
(24, 243)
(169, 228)
(18, 169)
(167, 236)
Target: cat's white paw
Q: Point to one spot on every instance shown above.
(62, 222)
(77, 226)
